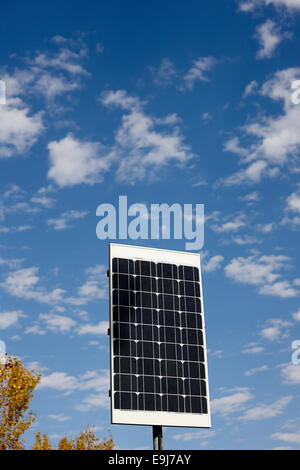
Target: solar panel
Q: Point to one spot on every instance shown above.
(158, 350)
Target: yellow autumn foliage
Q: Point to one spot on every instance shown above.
(41, 443)
(16, 392)
(86, 440)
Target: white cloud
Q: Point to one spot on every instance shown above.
(230, 226)
(59, 417)
(245, 240)
(65, 59)
(255, 370)
(54, 322)
(250, 197)
(250, 88)
(251, 5)
(194, 435)
(98, 329)
(63, 221)
(95, 287)
(58, 381)
(14, 191)
(293, 202)
(35, 330)
(50, 74)
(270, 410)
(268, 36)
(275, 139)
(252, 174)
(96, 380)
(277, 330)
(262, 271)
(143, 149)
(291, 437)
(199, 70)
(296, 315)
(253, 350)
(73, 161)
(255, 270)
(212, 264)
(164, 73)
(18, 129)
(291, 374)
(24, 283)
(206, 116)
(266, 228)
(99, 400)
(233, 145)
(231, 403)
(36, 366)
(281, 289)
(12, 263)
(52, 86)
(8, 319)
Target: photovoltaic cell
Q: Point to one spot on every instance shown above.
(158, 344)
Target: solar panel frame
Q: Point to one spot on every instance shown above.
(154, 417)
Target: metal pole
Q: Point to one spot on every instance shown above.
(157, 438)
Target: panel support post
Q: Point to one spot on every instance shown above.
(157, 438)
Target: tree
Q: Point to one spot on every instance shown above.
(41, 444)
(16, 392)
(86, 440)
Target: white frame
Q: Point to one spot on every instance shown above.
(156, 418)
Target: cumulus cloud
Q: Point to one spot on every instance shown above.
(253, 350)
(49, 74)
(212, 264)
(275, 330)
(270, 410)
(231, 225)
(296, 315)
(199, 70)
(95, 286)
(275, 140)
(255, 370)
(96, 380)
(58, 381)
(268, 36)
(57, 323)
(63, 222)
(231, 403)
(73, 161)
(164, 73)
(291, 374)
(98, 329)
(11, 318)
(142, 146)
(250, 88)
(195, 435)
(290, 437)
(24, 283)
(251, 5)
(19, 129)
(262, 271)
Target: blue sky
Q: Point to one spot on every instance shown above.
(187, 102)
